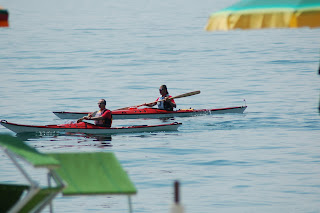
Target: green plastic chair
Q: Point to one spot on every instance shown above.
(73, 173)
(36, 196)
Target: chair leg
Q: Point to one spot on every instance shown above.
(130, 204)
(49, 184)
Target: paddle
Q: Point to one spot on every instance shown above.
(174, 97)
(92, 114)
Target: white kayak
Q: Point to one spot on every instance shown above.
(88, 128)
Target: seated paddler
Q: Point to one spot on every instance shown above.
(165, 101)
(103, 117)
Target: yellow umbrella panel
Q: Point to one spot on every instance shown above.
(258, 14)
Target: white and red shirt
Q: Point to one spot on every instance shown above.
(161, 103)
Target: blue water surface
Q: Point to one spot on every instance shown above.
(66, 55)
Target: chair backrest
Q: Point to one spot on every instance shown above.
(85, 174)
(28, 153)
(93, 173)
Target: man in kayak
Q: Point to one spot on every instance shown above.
(101, 118)
(165, 101)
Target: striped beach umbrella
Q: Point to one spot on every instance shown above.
(258, 14)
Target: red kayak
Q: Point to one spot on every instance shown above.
(88, 128)
(136, 113)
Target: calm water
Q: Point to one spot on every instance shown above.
(65, 55)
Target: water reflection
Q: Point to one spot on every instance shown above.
(33, 135)
(103, 139)
(167, 119)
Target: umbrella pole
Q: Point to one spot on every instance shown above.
(176, 207)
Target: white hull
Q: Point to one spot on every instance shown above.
(17, 128)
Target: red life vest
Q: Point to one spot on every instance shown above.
(106, 122)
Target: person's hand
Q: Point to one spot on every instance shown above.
(166, 99)
(79, 120)
(84, 118)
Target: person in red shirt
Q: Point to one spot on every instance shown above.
(101, 118)
(164, 101)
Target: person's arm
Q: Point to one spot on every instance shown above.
(93, 118)
(171, 102)
(86, 117)
(90, 116)
(150, 104)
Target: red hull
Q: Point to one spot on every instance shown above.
(136, 113)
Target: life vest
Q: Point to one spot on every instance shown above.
(163, 104)
(106, 122)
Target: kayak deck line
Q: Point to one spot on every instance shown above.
(84, 127)
(153, 113)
